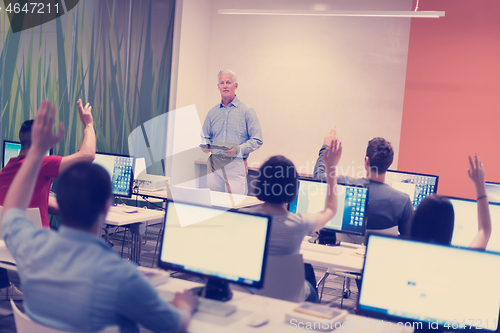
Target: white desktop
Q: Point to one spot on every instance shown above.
(466, 224)
(429, 283)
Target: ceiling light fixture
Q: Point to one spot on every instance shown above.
(351, 13)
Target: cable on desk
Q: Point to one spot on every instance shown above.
(351, 238)
(150, 202)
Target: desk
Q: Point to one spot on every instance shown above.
(219, 199)
(347, 264)
(116, 217)
(275, 309)
(120, 216)
(347, 261)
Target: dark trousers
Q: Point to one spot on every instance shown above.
(4, 278)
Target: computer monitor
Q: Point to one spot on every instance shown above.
(465, 228)
(493, 192)
(12, 149)
(432, 287)
(222, 245)
(120, 169)
(416, 185)
(352, 204)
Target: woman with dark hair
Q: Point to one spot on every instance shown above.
(277, 186)
(434, 219)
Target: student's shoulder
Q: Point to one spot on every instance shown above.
(395, 194)
(112, 266)
(52, 158)
(352, 181)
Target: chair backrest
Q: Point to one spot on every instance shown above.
(25, 325)
(394, 231)
(199, 196)
(285, 278)
(33, 215)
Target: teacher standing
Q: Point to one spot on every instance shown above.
(234, 125)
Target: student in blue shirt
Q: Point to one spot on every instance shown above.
(72, 280)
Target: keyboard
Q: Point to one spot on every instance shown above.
(335, 250)
(205, 305)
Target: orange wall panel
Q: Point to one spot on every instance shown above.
(452, 94)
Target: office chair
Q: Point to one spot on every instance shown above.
(33, 215)
(25, 325)
(284, 278)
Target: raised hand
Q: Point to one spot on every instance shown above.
(333, 153)
(42, 133)
(85, 113)
(476, 171)
(332, 135)
(476, 174)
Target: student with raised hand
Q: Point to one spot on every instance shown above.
(388, 207)
(52, 167)
(434, 218)
(71, 279)
(278, 186)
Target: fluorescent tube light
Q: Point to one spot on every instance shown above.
(353, 13)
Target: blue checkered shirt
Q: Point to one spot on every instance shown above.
(237, 124)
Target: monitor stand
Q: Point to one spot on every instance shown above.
(214, 289)
(327, 237)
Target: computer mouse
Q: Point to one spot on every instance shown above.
(257, 320)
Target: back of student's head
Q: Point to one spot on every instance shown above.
(433, 221)
(277, 182)
(25, 134)
(82, 192)
(380, 153)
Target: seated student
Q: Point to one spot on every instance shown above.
(388, 207)
(277, 186)
(434, 218)
(72, 280)
(52, 166)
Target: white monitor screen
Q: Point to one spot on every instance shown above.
(493, 192)
(120, 169)
(430, 283)
(466, 227)
(417, 186)
(352, 204)
(216, 243)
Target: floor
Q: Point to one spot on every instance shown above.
(332, 293)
